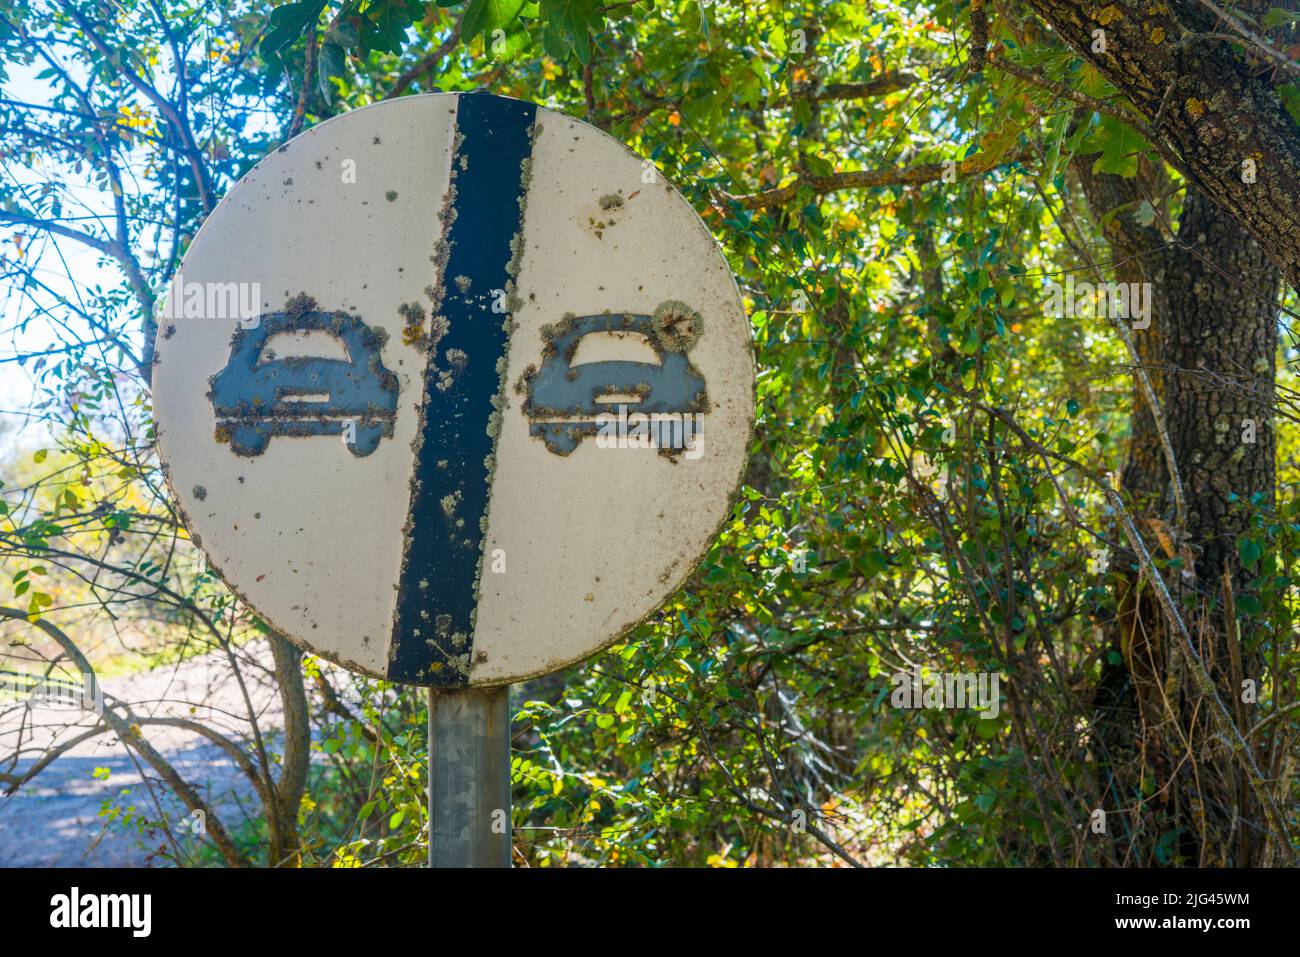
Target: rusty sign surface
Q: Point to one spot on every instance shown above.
(453, 389)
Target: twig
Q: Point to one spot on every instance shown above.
(428, 63)
(1162, 430)
(1000, 62)
(127, 730)
(1257, 41)
(589, 90)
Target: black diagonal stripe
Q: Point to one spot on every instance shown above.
(434, 625)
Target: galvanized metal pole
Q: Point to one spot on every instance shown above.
(469, 777)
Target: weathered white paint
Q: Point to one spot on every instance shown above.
(311, 535)
(307, 533)
(594, 541)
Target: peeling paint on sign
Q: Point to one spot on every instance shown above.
(444, 543)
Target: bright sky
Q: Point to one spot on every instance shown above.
(69, 268)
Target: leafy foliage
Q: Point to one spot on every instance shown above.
(924, 485)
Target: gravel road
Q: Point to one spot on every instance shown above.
(55, 819)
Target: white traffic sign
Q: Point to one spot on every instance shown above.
(453, 390)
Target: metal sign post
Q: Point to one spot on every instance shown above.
(454, 391)
(469, 777)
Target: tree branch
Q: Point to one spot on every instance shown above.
(160, 102)
(863, 179)
(428, 63)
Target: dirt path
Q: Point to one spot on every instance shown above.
(56, 820)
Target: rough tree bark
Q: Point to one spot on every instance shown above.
(1209, 107)
(1214, 113)
(1211, 352)
(1220, 302)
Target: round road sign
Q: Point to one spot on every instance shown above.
(453, 390)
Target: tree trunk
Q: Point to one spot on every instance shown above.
(1220, 357)
(296, 754)
(1210, 353)
(1220, 299)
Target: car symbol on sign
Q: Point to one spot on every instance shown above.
(259, 395)
(568, 394)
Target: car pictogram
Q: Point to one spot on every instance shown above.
(565, 396)
(260, 394)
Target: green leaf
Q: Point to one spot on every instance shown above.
(873, 562)
(704, 22)
(484, 16)
(1120, 147)
(385, 24)
(1057, 128)
(569, 24)
(333, 62)
(1248, 551)
(1290, 94)
(285, 25)
(343, 34)
(1276, 16)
